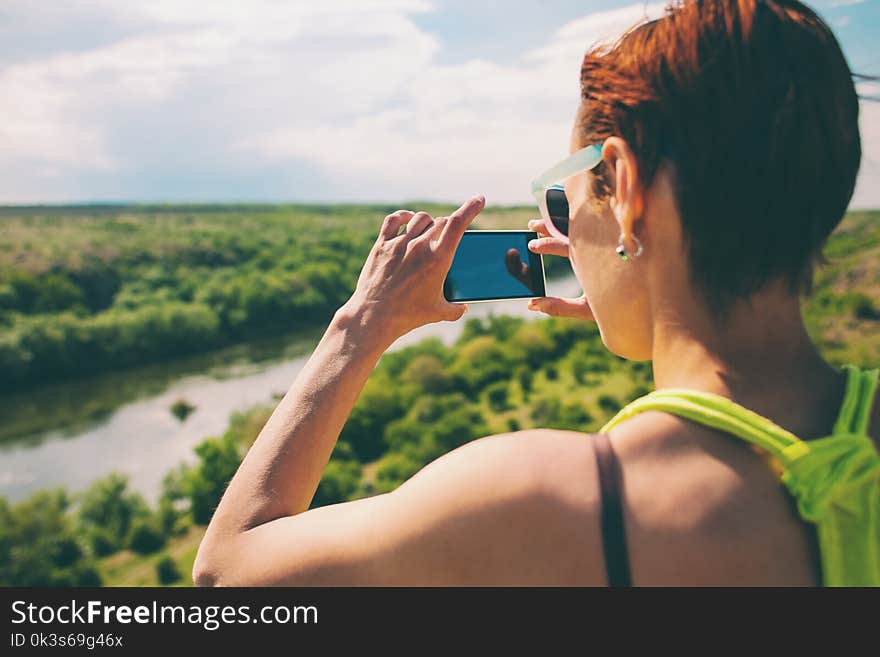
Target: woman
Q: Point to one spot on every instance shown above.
(724, 148)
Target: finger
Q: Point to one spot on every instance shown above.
(516, 267)
(512, 262)
(393, 222)
(417, 224)
(558, 307)
(539, 226)
(461, 219)
(453, 311)
(549, 246)
(431, 233)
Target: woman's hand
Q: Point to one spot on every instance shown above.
(401, 284)
(556, 306)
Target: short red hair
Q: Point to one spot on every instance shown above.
(753, 103)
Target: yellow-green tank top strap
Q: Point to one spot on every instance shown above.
(834, 480)
(720, 413)
(856, 407)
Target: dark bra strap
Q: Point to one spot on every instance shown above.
(613, 527)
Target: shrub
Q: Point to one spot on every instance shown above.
(501, 327)
(497, 395)
(341, 480)
(428, 373)
(108, 511)
(38, 544)
(219, 458)
(863, 307)
(608, 403)
(379, 403)
(525, 376)
(102, 541)
(531, 344)
(639, 391)
(181, 409)
(580, 366)
(574, 416)
(480, 362)
(146, 537)
(394, 470)
(545, 410)
(167, 571)
(551, 413)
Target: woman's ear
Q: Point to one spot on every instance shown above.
(626, 194)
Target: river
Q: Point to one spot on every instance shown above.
(73, 433)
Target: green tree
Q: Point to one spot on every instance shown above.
(107, 512)
(531, 344)
(394, 469)
(167, 571)
(339, 483)
(39, 545)
(218, 459)
(525, 375)
(609, 404)
(497, 395)
(146, 537)
(379, 403)
(480, 362)
(428, 373)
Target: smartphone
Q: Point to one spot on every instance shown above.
(494, 265)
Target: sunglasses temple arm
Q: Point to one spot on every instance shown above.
(585, 158)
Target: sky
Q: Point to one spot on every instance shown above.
(330, 101)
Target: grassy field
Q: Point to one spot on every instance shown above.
(41, 239)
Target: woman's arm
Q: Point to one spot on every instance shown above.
(282, 470)
(455, 521)
(399, 288)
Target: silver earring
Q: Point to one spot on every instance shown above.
(621, 249)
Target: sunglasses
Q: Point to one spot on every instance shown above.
(551, 195)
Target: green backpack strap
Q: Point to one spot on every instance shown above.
(720, 413)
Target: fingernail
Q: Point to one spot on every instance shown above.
(533, 244)
(465, 310)
(480, 198)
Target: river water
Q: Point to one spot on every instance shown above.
(73, 433)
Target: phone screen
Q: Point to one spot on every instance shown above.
(490, 265)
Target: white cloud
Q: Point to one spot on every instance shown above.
(300, 61)
(458, 130)
(572, 39)
(350, 88)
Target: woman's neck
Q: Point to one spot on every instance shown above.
(762, 357)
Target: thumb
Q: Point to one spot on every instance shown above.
(559, 307)
(454, 311)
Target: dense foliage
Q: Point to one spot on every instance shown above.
(155, 285)
(419, 403)
(84, 290)
(502, 374)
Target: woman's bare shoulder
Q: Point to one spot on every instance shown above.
(531, 462)
(705, 507)
(533, 489)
